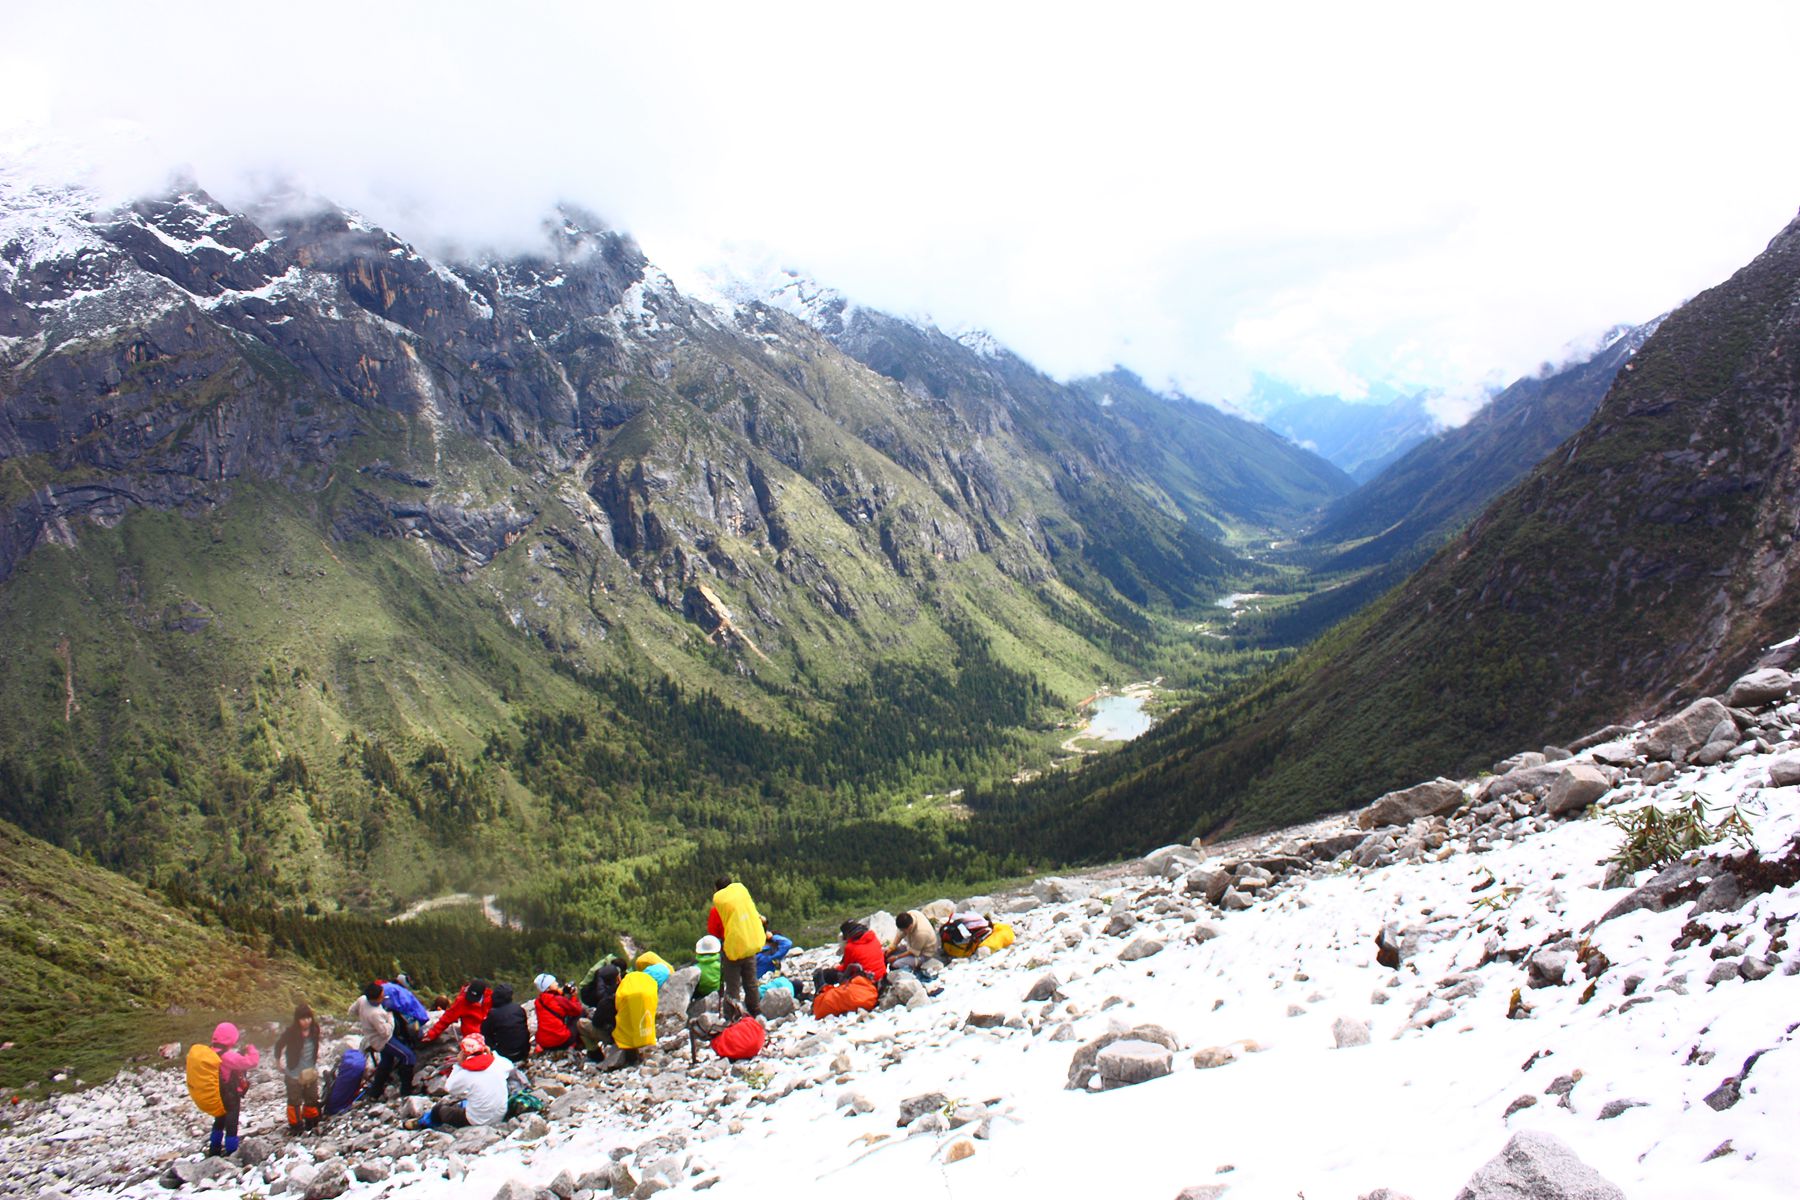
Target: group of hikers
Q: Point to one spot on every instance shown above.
(609, 1019)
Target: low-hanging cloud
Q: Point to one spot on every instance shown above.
(1429, 199)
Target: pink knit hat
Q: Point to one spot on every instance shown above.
(225, 1034)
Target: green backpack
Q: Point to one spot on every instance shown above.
(523, 1102)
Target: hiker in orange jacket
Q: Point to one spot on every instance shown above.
(470, 1008)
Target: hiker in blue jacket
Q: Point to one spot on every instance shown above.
(410, 1016)
(775, 948)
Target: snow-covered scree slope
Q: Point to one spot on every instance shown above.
(1648, 1027)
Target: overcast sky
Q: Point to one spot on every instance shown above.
(1434, 196)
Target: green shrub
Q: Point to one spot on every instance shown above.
(1654, 838)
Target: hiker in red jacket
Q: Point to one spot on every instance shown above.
(470, 1008)
(863, 949)
(557, 1012)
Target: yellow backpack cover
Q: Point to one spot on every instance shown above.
(743, 925)
(203, 1080)
(636, 1002)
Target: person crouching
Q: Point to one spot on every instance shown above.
(476, 1093)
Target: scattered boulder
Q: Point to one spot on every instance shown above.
(903, 988)
(1348, 1032)
(1142, 947)
(1170, 859)
(1785, 771)
(1436, 798)
(1537, 1166)
(779, 1002)
(1613, 1108)
(188, 1172)
(914, 1107)
(1685, 732)
(958, 1150)
(1131, 1060)
(1214, 1056)
(1085, 1063)
(1045, 987)
(1759, 687)
(330, 1181)
(1579, 785)
(1546, 968)
(1324, 849)
(1529, 758)
(1202, 1191)
(672, 997)
(984, 1020)
(881, 924)
(1387, 948)
(1208, 882)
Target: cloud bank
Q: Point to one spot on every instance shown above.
(1424, 196)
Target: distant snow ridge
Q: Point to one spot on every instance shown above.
(1447, 989)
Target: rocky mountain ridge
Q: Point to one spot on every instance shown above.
(1456, 952)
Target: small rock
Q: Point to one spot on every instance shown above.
(1519, 1105)
(512, 1189)
(1348, 1032)
(984, 1020)
(1720, 1151)
(330, 1181)
(914, 1107)
(370, 1172)
(1044, 988)
(1142, 947)
(1723, 972)
(958, 1150)
(1546, 968)
(1613, 1108)
(1387, 948)
(1201, 1191)
(1214, 1056)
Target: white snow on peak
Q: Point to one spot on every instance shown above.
(46, 224)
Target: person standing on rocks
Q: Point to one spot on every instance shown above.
(740, 930)
(476, 1092)
(217, 1077)
(297, 1053)
(381, 1041)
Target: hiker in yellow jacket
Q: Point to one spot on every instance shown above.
(736, 923)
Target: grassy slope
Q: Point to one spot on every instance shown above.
(95, 968)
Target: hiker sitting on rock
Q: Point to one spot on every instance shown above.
(506, 1029)
(381, 1042)
(915, 945)
(217, 1077)
(863, 949)
(600, 996)
(476, 1093)
(557, 1012)
(297, 1053)
(706, 957)
(468, 1010)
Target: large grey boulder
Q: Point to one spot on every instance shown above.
(1166, 859)
(1526, 779)
(672, 997)
(330, 1181)
(1579, 785)
(1132, 1060)
(1433, 799)
(1785, 771)
(1348, 1032)
(903, 989)
(881, 924)
(1759, 687)
(1056, 890)
(1537, 1166)
(778, 1002)
(1686, 731)
(1208, 882)
(1086, 1062)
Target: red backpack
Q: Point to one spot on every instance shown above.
(740, 1040)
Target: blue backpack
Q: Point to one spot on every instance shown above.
(346, 1082)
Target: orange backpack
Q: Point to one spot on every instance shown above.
(203, 1080)
(849, 996)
